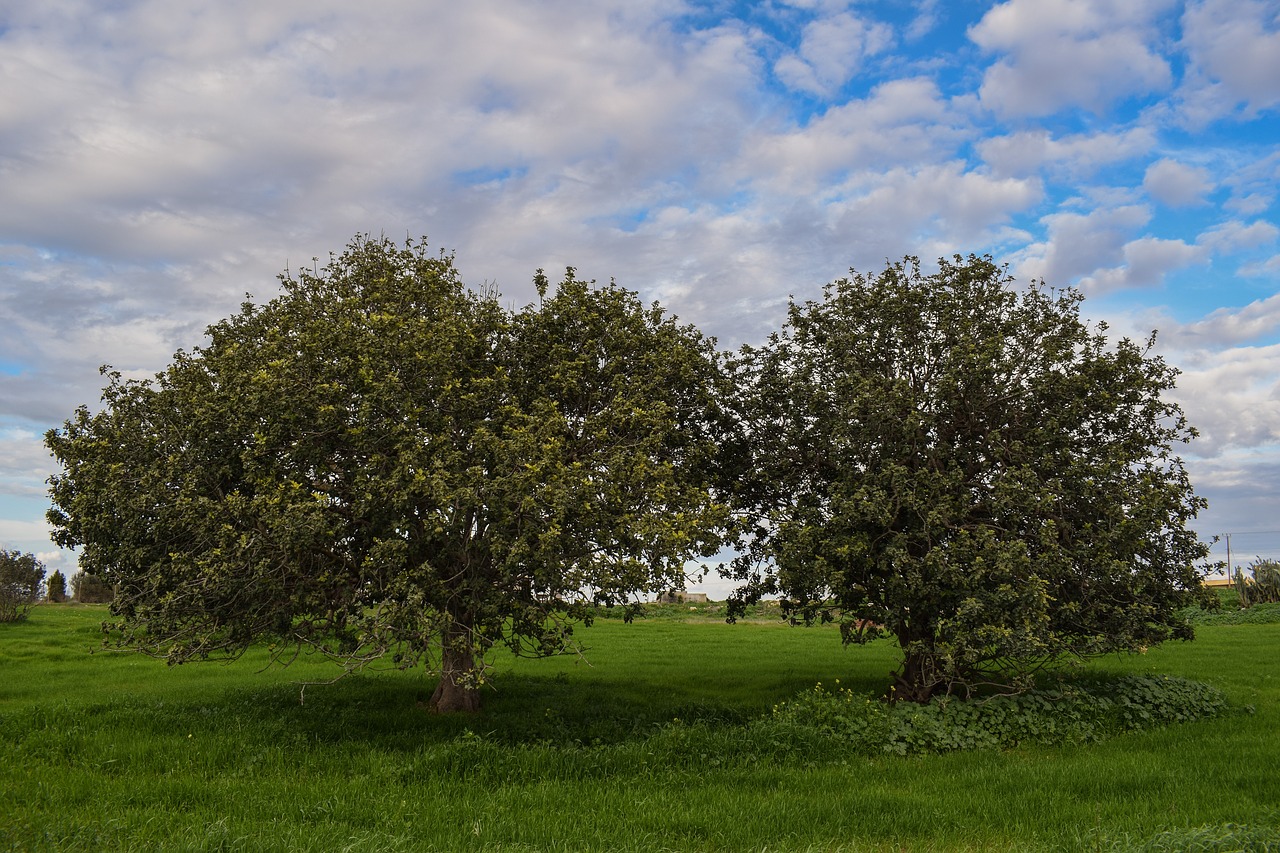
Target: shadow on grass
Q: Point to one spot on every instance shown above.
(387, 712)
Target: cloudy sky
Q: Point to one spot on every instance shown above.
(158, 160)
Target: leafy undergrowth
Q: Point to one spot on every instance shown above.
(1069, 714)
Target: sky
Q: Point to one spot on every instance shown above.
(160, 160)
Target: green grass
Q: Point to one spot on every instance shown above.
(119, 752)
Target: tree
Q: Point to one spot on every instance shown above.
(57, 587)
(969, 467)
(21, 583)
(90, 589)
(382, 463)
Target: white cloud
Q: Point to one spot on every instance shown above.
(1145, 263)
(1249, 205)
(23, 462)
(1177, 184)
(18, 533)
(1232, 396)
(1079, 244)
(1233, 235)
(171, 160)
(1028, 151)
(1070, 53)
(932, 211)
(1269, 267)
(1243, 490)
(901, 122)
(1094, 251)
(926, 20)
(831, 51)
(1231, 326)
(1235, 44)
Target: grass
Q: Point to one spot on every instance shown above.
(119, 752)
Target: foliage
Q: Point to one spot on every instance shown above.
(21, 583)
(57, 587)
(969, 467)
(1261, 585)
(382, 463)
(90, 589)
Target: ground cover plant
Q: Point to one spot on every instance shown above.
(665, 737)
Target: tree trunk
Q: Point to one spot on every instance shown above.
(458, 690)
(918, 680)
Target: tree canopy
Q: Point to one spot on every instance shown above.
(382, 462)
(969, 467)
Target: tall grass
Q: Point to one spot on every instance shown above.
(119, 752)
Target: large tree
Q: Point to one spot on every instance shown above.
(969, 467)
(383, 462)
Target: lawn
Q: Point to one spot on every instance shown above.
(119, 752)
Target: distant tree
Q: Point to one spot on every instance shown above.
(57, 586)
(90, 589)
(383, 463)
(969, 467)
(21, 584)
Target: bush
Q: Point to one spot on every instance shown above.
(21, 582)
(90, 589)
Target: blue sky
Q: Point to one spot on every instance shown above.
(159, 160)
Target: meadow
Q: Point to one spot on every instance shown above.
(646, 744)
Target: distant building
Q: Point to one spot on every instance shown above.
(679, 596)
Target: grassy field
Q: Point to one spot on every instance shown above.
(119, 752)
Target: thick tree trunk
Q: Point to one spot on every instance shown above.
(457, 690)
(918, 680)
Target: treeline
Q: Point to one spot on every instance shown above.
(23, 585)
